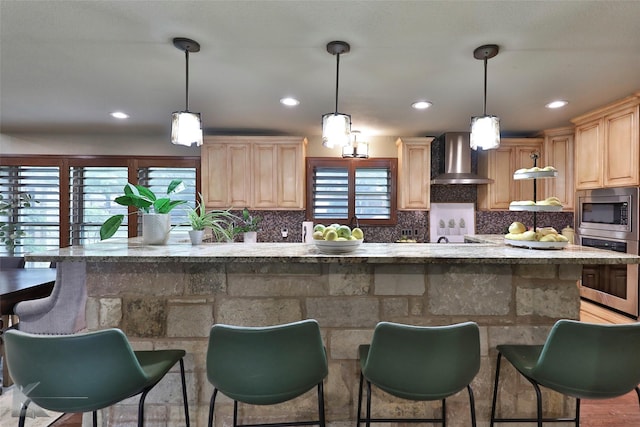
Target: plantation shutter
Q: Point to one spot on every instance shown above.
(331, 193)
(373, 193)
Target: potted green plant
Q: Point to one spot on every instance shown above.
(156, 220)
(249, 225)
(10, 232)
(217, 220)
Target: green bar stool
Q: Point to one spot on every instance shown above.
(581, 360)
(267, 365)
(422, 363)
(86, 372)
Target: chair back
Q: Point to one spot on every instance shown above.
(590, 361)
(423, 363)
(266, 365)
(62, 312)
(73, 373)
(11, 262)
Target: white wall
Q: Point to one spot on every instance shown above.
(150, 145)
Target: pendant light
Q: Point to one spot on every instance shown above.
(336, 127)
(485, 130)
(357, 147)
(186, 127)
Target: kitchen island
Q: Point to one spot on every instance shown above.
(169, 296)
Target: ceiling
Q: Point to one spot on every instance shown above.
(65, 65)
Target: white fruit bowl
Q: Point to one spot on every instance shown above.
(337, 246)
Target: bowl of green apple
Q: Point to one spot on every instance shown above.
(337, 239)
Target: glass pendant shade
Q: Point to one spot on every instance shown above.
(186, 128)
(485, 132)
(356, 148)
(336, 130)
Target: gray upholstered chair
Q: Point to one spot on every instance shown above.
(9, 262)
(62, 312)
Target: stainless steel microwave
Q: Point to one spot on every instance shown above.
(608, 212)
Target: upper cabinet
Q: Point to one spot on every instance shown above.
(414, 167)
(499, 165)
(558, 152)
(607, 152)
(253, 172)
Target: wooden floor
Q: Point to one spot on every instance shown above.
(620, 412)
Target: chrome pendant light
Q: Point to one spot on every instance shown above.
(358, 147)
(336, 127)
(485, 130)
(186, 126)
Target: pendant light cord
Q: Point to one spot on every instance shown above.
(337, 79)
(186, 55)
(485, 87)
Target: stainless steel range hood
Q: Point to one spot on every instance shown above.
(457, 161)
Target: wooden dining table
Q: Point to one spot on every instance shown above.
(20, 284)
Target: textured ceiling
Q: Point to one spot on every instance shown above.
(65, 65)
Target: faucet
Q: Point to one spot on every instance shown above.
(351, 222)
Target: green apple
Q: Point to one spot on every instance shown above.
(341, 239)
(318, 227)
(331, 235)
(357, 233)
(335, 225)
(344, 231)
(328, 229)
(317, 235)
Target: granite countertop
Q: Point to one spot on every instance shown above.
(490, 249)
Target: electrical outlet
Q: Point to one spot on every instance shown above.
(415, 232)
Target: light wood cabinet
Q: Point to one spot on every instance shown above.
(607, 152)
(253, 172)
(558, 152)
(414, 166)
(499, 165)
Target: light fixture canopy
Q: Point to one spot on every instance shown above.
(336, 127)
(358, 147)
(485, 129)
(186, 126)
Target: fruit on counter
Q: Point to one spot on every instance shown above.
(357, 233)
(522, 203)
(337, 232)
(405, 239)
(535, 169)
(517, 228)
(543, 234)
(550, 201)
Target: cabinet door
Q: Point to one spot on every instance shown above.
(621, 148)
(500, 165)
(414, 163)
(290, 176)
(225, 181)
(213, 165)
(588, 155)
(524, 187)
(558, 152)
(265, 175)
(238, 179)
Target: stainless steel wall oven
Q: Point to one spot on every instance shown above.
(608, 219)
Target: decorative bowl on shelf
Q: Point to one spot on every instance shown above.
(337, 246)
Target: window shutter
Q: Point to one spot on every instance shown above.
(373, 193)
(159, 178)
(41, 220)
(331, 192)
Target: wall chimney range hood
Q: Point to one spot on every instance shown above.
(457, 161)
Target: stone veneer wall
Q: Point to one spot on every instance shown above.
(173, 305)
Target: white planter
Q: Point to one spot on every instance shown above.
(196, 236)
(155, 229)
(250, 236)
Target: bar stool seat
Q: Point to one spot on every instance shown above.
(86, 372)
(267, 365)
(421, 363)
(578, 359)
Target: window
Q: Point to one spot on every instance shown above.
(73, 196)
(343, 190)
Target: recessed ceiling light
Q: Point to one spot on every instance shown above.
(289, 102)
(119, 115)
(556, 104)
(421, 105)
